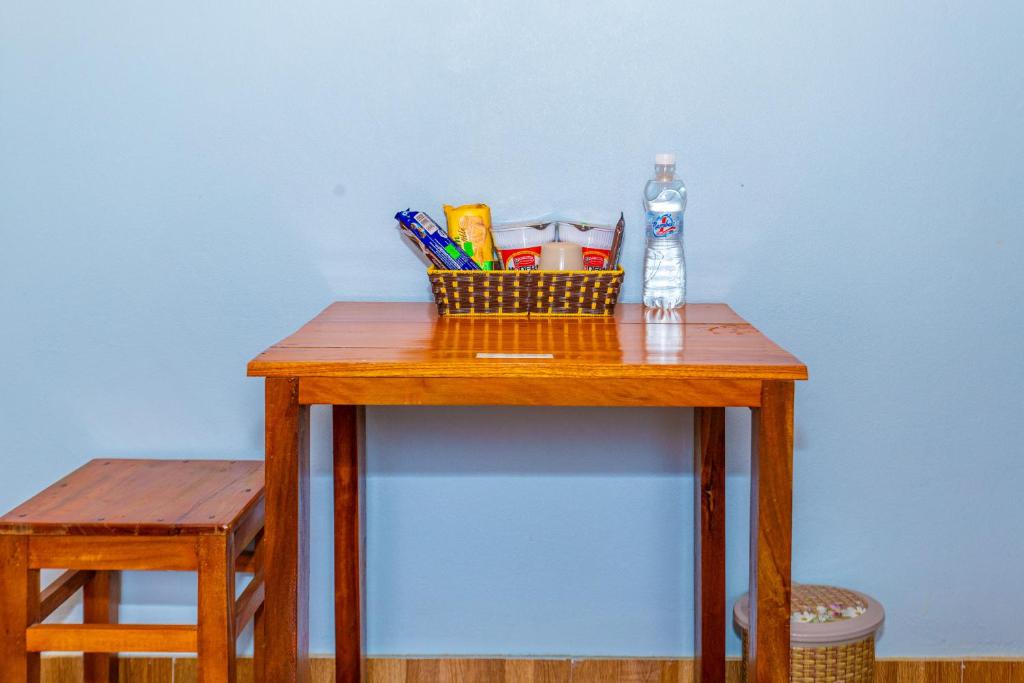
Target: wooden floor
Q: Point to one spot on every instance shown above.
(159, 670)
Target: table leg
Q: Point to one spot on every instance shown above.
(286, 533)
(771, 530)
(709, 544)
(349, 543)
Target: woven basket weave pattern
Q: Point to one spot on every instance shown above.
(807, 597)
(850, 663)
(525, 292)
(847, 663)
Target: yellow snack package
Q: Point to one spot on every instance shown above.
(470, 226)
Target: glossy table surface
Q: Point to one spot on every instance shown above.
(363, 339)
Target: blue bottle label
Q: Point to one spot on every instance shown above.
(661, 225)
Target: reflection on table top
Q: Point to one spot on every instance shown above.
(374, 339)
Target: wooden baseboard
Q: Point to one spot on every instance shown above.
(554, 670)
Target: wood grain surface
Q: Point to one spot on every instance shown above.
(150, 553)
(771, 523)
(111, 638)
(349, 441)
(993, 671)
(286, 534)
(481, 670)
(141, 498)
(65, 669)
(101, 605)
(216, 632)
(19, 608)
(249, 602)
(917, 671)
(147, 670)
(528, 391)
(410, 340)
(630, 671)
(709, 543)
(187, 671)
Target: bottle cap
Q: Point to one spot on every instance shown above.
(665, 159)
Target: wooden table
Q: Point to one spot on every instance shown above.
(358, 354)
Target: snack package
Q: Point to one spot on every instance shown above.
(597, 242)
(421, 248)
(519, 243)
(433, 241)
(470, 226)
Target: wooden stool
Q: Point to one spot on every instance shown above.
(112, 515)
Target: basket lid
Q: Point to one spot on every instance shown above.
(823, 615)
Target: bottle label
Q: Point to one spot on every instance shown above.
(663, 224)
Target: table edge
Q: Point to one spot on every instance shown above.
(257, 368)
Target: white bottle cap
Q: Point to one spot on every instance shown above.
(665, 159)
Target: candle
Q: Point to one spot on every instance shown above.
(561, 256)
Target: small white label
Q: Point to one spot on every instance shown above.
(515, 355)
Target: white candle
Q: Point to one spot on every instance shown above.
(561, 256)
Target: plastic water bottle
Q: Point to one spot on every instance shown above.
(664, 263)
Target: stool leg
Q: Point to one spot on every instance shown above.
(102, 598)
(258, 634)
(19, 609)
(259, 673)
(216, 632)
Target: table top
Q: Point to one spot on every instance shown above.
(410, 340)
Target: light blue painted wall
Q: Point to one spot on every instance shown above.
(182, 184)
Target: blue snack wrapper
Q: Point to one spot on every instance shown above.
(434, 240)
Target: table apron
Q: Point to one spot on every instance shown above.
(529, 391)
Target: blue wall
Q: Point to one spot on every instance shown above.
(183, 184)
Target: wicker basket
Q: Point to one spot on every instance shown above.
(838, 649)
(525, 292)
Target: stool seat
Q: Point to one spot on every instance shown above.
(142, 498)
(113, 515)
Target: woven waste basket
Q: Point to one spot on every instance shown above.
(832, 634)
